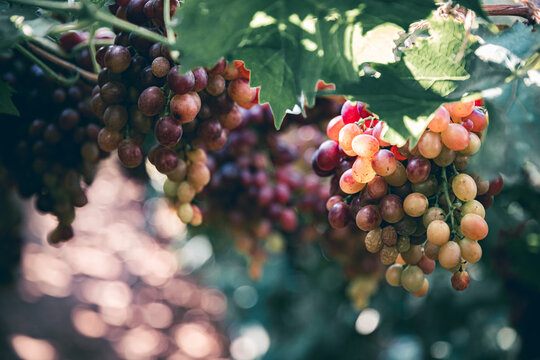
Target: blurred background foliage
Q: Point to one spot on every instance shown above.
(298, 309)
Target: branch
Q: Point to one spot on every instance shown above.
(50, 72)
(509, 10)
(62, 63)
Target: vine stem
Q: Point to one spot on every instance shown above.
(97, 43)
(50, 72)
(51, 46)
(75, 25)
(509, 10)
(92, 49)
(99, 16)
(447, 197)
(46, 4)
(167, 21)
(60, 62)
(127, 26)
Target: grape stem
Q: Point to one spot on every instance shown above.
(60, 62)
(75, 25)
(54, 5)
(98, 15)
(50, 72)
(127, 26)
(97, 43)
(92, 49)
(49, 45)
(509, 10)
(447, 197)
(167, 21)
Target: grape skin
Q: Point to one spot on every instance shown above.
(471, 251)
(412, 278)
(393, 275)
(449, 255)
(464, 187)
(440, 120)
(362, 171)
(368, 218)
(415, 204)
(430, 145)
(455, 137)
(438, 232)
(384, 162)
(474, 227)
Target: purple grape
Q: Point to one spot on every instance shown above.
(167, 132)
(201, 79)
(391, 207)
(368, 218)
(418, 169)
(178, 83)
(339, 215)
(130, 153)
(165, 160)
(328, 155)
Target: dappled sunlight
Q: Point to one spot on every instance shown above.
(32, 349)
(117, 282)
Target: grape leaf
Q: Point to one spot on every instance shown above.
(438, 62)
(6, 104)
(306, 40)
(14, 17)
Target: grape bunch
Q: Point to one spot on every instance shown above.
(255, 192)
(412, 206)
(50, 150)
(143, 91)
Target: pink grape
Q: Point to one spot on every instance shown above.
(440, 120)
(455, 137)
(362, 170)
(365, 145)
(384, 162)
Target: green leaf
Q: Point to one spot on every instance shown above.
(269, 68)
(293, 43)
(6, 104)
(14, 17)
(514, 128)
(438, 62)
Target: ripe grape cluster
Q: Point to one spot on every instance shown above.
(412, 206)
(143, 91)
(50, 150)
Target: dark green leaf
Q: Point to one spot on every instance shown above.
(14, 17)
(6, 104)
(294, 43)
(270, 69)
